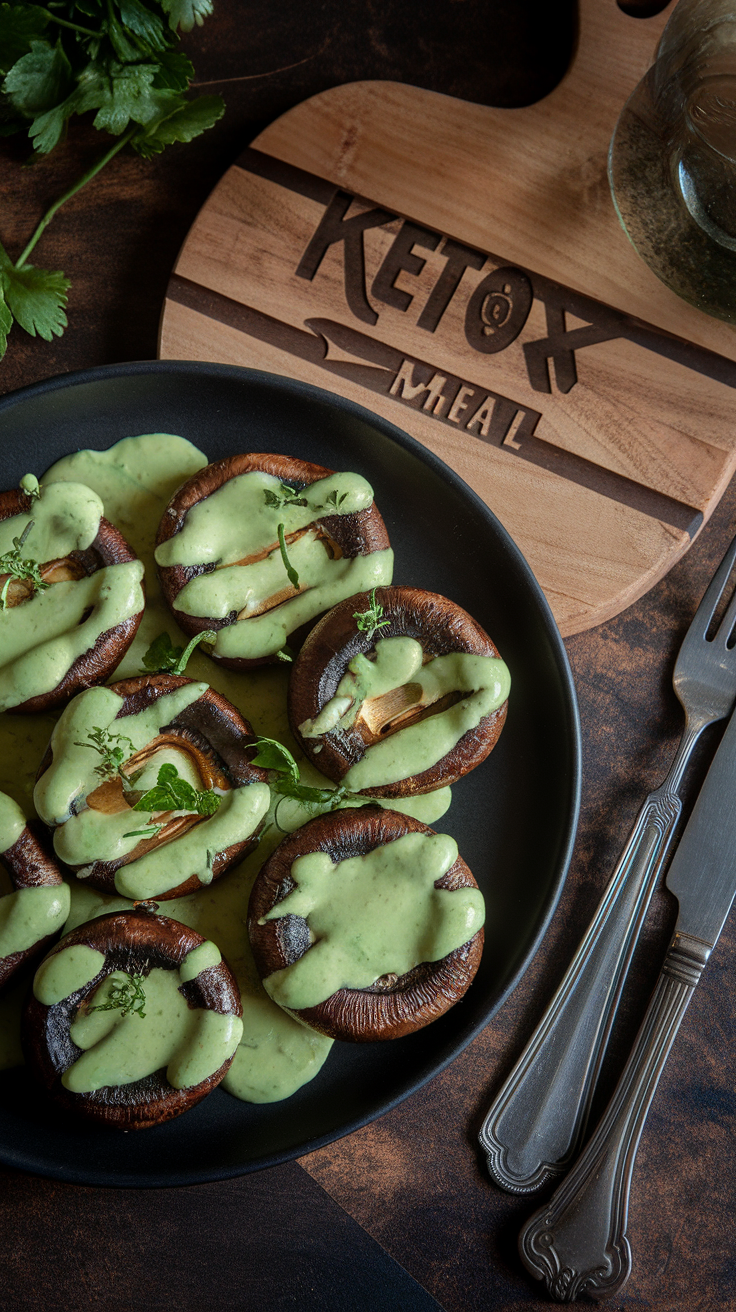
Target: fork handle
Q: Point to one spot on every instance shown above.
(577, 1241)
(536, 1122)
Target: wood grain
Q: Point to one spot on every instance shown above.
(484, 299)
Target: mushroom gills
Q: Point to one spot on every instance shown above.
(379, 717)
(62, 570)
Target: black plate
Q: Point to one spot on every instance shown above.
(514, 818)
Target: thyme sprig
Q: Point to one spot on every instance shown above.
(17, 566)
(371, 620)
(286, 496)
(110, 747)
(127, 997)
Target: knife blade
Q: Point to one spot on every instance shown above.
(577, 1241)
(702, 874)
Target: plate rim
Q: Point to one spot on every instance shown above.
(137, 368)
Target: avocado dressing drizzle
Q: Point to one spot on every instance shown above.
(372, 915)
(192, 1043)
(236, 529)
(42, 636)
(28, 914)
(483, 681)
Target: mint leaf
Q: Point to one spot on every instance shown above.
(188, 120)
(185, 13)
(172, 793)
(36, 297)
(39, 80)
(19, 24)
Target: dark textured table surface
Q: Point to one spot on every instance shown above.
(399, 1215)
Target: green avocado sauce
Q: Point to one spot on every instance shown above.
(135, 479)
(42, 637)
(241, 520)
(484, 682)
(12, 822)
(192, 1043)
(372, 915)
(28, 914)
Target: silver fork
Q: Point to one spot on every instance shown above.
(535, 1124)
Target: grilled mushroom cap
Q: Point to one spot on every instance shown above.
(134, 942)
(29, 865)
(358, 534)
(220, 742)
(441, 627)
(394, 1005)
(94, 666)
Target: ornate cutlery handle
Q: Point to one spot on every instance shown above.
(536, 1122)
(578, 1240)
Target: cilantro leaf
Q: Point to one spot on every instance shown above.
(19, 24)
(175, 71)
(35, 297)
(286, 496)
(272, 755)
(187, 120)
(164, 658)
(39, 80)
(6, 322)
(140, 21)
(185, 13)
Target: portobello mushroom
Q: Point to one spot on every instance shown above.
(38, 905)
(397, 692)
(133, 1019)
(149, 788)
(375, 925)
(256, 546)
(71, 595)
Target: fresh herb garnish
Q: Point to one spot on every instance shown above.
(286, 496)
(293, 576)
(151, 831)
(285, 655)
(16, 567)
(128, 997)
(334, 500)
(272, 755)
(116, 59)
(164, 658)
(371, 620)
(110, 747)
(172, 793)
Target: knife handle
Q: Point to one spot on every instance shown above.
(577, 1241)
(535, 1124)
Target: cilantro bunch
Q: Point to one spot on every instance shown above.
(116, 59)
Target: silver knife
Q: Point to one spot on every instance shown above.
(577, 1241)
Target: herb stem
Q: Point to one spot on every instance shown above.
(73, 27)
(293, 576)
(81, 182)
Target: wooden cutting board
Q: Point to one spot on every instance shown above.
(460, 271)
